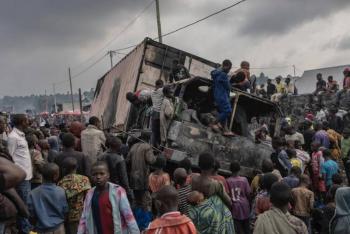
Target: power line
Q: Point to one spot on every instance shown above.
(82, 71)
(202, 19)
(132, 46)
(125, 48)
(188, 25)
(116, 36)
(87, 68)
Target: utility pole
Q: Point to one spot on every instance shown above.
(81, 106)
(294, 70)
(54, 97)
(71, 88)
(158, 22)
(45, 101)
(111, 57)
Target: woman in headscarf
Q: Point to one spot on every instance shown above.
(340, 224)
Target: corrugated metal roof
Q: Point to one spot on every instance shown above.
(307, 83)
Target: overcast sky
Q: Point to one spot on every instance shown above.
(40, 39)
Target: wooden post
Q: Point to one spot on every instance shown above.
(54, 97)
(81, 106)
(234, 111)
(71, 88)
(158, 22)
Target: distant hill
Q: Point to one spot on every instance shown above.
(40, 103)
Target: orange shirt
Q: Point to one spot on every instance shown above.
(172, 223)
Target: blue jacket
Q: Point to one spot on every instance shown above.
(221, 86)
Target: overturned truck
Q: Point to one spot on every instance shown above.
(188, 134)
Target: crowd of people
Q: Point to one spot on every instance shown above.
(81, 180)
(276, 89)
(74, 178)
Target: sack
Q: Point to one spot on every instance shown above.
(8, 210)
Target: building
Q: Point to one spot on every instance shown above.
(307, 82)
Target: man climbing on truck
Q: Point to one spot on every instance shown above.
(221, 90)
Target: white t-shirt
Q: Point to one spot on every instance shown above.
(18, 149)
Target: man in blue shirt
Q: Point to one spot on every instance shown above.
(48, 204)
(329, 168)
(221, 91)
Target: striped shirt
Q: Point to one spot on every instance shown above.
(183, 194)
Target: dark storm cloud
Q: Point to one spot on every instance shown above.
(344, 43)
(271, 17)
(26, 24)
(39, 39)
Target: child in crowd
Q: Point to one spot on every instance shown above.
(329, 210)
(195, 198)
(329, 168)
(106, 206)
(218, 177)
(296, 162)
(317, 161)
(158, 178)
(280, 158)
(180, 176)
(240, 193)
(303, 201)
(47, 203)
(302, 155)
(187, 165)
(266, 167)
(44, 147)
(293, 178)
(278, 219)
(76, 187)
(37, 160)
(171, 221)
(262, 202)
